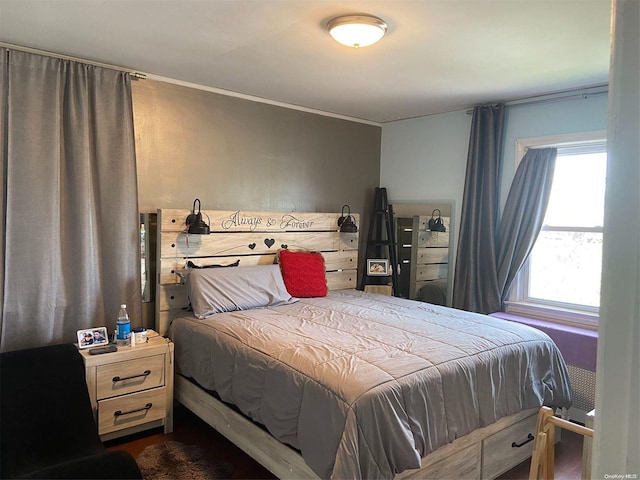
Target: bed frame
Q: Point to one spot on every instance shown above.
(253, 238)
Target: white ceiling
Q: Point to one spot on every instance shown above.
(438, 55)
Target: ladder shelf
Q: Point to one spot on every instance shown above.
(382, 266)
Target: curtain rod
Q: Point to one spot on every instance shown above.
(36, 51)
(582, 92)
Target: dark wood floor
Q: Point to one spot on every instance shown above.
(190, 430)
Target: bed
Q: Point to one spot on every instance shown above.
(347, 385)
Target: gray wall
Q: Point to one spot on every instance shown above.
(235, 154)
(238, 154)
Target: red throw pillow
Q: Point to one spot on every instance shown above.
(303, 273)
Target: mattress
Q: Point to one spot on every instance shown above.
(366, 385)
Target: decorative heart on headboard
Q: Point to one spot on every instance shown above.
(269, 242)
(252, 246)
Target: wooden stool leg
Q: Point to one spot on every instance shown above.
(538, 457)
(550, 451)
(543, 450)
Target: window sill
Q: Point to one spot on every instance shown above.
(563, 316)
(578, 345)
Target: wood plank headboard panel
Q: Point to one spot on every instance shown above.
(253, 238)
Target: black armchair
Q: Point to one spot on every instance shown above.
(47, 429)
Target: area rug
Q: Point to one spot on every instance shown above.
(175, 460)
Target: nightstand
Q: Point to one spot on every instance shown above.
(131, 390)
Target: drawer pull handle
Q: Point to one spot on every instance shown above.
(121, 379)
(518, 445)
(117, 413)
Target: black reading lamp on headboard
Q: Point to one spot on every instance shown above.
(195, 224)
(346, 222)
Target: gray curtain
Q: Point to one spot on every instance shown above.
(70, 224)
(475, 286)
(523, 214)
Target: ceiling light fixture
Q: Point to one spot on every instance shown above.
(357, 30)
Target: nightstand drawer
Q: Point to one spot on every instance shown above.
(131, 376)
(131, 410)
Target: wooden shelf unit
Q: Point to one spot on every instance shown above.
(424, 257)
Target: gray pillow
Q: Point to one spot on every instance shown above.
(228, 289)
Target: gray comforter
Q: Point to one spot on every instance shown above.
(365, 385)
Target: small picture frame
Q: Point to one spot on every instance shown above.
(378, 266)
(93, 337)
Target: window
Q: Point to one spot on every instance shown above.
(561, 279)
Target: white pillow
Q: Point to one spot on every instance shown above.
(215, 290)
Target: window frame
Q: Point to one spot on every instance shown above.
(518, 301)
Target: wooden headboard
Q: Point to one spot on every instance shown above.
(253, 238)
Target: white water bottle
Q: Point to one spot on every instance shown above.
(123, 332)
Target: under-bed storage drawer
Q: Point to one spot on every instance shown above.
(462, 463)
(508, 448)
(131, 410)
